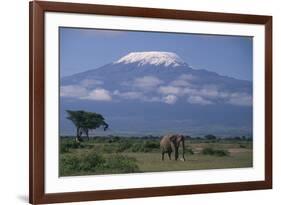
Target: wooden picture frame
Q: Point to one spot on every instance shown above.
(37, 98)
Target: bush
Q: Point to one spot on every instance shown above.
(114, 139)
(242, 146)
(122, 146)
(146, 146)
(94, 163)
(189, 151)
(210, 137)
(66, 145)
(88, 162)
(91, 161)
(69, 164)
(108, 148)
(215, 152)
(64, 149)
(151, 145)
(137, 147)
(119, 164)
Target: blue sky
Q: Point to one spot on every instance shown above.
(85, 49)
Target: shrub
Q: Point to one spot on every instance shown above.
(87, 162)
(91, 161)
(242, 146)
(237, 138)
(216, 152)
(66, 145)
(146, 146)
(122, 146)
(137, 147)
(63, 149)
(119, 164)
(221, 153)
(69, 164)
(189, 151)
(151, 145)
(109, 148)
(208, 151)
(210, 137)
(113, 139)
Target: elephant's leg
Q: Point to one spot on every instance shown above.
(163, 156)
(176, 153)
(169, 153)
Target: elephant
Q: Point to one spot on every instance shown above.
(172, 142)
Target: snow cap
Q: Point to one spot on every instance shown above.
(152, 58)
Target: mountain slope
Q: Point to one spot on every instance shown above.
(158, 89)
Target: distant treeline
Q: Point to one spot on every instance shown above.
(155, 137)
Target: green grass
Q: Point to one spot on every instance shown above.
(104, 155)
(215, 152)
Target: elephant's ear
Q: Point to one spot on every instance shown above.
(173, 138)
(182, 137)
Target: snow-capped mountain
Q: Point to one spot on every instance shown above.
(158, 91)
(152, 58)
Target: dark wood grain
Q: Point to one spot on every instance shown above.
(152, 12)
(268, 101)
(36, 143)
(36, 59)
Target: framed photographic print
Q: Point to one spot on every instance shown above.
(138, 102)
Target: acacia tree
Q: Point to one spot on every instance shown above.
(85, 121)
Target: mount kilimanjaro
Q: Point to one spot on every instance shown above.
(156, 93)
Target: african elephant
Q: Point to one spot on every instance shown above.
(172, 142)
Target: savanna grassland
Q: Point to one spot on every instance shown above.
(112, 155)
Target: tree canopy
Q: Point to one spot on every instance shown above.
(85, 121)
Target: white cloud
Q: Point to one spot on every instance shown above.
(198, 100)
(152, 89)
(98, 94)
(210, 91)
(240, 99)
(170, 99)
(204, 93)
(210, 94)
(190, 91)
(186, 77)
(153, 99)
(128, 95)
(169, 90)
(132, 95)
(89, 82)
(73, 91)
(180, 82)
(147, 82)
